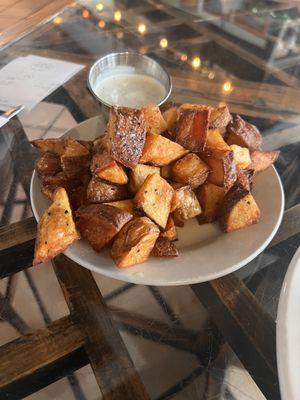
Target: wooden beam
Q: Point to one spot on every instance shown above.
(109, 358)
(247, 327)
(39, 353)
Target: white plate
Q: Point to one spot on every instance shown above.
(205, 252)
(288, 332)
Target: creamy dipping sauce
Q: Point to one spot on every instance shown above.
(130, 90)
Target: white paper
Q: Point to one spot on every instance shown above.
(28, 80)
(3, 121)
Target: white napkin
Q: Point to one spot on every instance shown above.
(28, 80)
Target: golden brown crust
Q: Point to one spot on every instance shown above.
(56, 229)
(127, 134)
(99, 223)
(154, 120)
(223, 169)
(55, 146)
(139, 174)
(170, 230)
(126, 205)
(164, 248)
(190, 170)
(215, 140)
(243, 134)
(261, 160)
(75, 158)
(220, 117)
(99, 191)
(188, 204)
(48, 165)
(192, 128)
(210, 197)
(134, 242)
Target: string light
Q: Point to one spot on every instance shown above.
(117, 15)
(101, 24)
(183, 57)
(196, 62)
(142, 28)
(85, 13)
(120, 35)
(227, 87)
(163, 43)
(99, 7)
(57, 20)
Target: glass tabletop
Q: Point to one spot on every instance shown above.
(207, 341)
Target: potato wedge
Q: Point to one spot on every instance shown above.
(243, 134)
(126, 205)
(75, 159)
(189, 206)
(220, 117)
(160, 151)
(134, 242)
(56, 229)
(154, 199)
(99, 223)
(239, 209)
(164, 248)
(261, 160)
(222, 166)
(170, 230)
(215, 140)
(210, 197)
(139, 174)
(190, 170)
(192, 128)
(48, 165)
(55, 146)
(241, 156)
(127, 134)
(105, 167)
(99, 191)
(154, 120)
(244, 178)
(170, 116)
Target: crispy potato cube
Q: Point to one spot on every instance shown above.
(139, 174)
(239, 209)
(127, 134)
(170, 116)
(190, 170)
(126, 205)
(220, 117)
(48, 165)
(51, 183)
(166, 171)
(241, 156)
(88, 144)
(192, 127)
(170, 230)
(154, 120)
(134, 242)
(154, 199)
(102, 192)
(189, 206)
(215, 140)
(55, 146)
(56, 229)
(105, 167)
(99, 223)
(75, 159)
(164, 248)
(261, 160)
(222, 166)
(244, 177)
(210, 197)
(243, 134)
(160, 151)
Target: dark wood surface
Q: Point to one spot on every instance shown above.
(109, 358)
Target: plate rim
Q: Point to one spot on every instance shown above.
(285, 299)
(191, 281)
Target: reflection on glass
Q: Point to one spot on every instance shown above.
(57, 20)
(196, 62)
(163, 43)
(117, 15)
(142, 28)
(227, 87)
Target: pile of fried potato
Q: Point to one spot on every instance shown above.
(151, 170)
